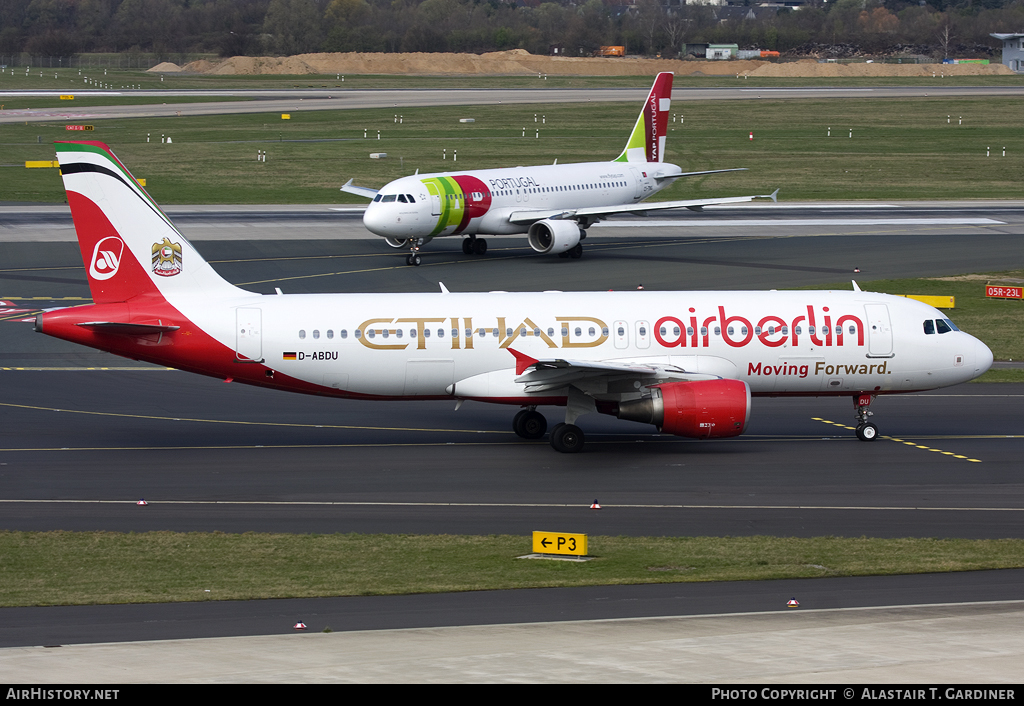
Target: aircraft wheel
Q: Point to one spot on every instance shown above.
(567, 438)
(530, 424)
(396, 242)
(577, 252)
(479, 246)
(467, 246)
(413, 260)
(867, 432)
(564, 255)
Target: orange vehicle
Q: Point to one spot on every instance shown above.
(611, 51)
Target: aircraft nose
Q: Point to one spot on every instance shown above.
(373, 219)
(982, 358)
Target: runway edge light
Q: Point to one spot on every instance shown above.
(792, 603)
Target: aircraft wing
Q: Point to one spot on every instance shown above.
(542, 375)
(358, 190)
(596, 213)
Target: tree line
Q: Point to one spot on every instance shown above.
(646, 27)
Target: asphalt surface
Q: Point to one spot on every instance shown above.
(78, 446)
(346, 99)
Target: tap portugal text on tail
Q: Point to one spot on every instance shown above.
(685, 362)
(553, 204)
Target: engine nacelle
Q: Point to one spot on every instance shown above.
(556, 237)
(705, 409)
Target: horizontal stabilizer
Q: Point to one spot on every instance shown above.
(662, 177)
(130, 329)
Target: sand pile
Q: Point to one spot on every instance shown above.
(518, 62)
(811, 68)
(166, 68)
(198, 67)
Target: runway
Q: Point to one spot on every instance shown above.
(336, 98)
(79, 446)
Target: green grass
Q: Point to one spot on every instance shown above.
(50, 568)
(901, 149)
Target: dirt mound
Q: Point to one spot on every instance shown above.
(812, 68)
(198, 67)
(518, 62)
(166, 68)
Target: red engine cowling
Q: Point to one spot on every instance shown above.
(706, 409)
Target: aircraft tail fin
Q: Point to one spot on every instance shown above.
(129, 246)
(647, 142)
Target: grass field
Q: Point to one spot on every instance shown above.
(49, 568)
(900, 149)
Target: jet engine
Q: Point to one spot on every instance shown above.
(555, 237)
(705, 409)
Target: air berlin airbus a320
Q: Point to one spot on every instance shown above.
(686, 362)
(553, 204)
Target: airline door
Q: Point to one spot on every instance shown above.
(643, 334)
(639, 183)
(620, 329)
(879, 331)
(248, 335)
(435, 199)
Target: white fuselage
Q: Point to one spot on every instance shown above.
(482, 201)
(457, 345)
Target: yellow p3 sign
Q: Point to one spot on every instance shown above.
(559, 543)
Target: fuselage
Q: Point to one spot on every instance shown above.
(458, 345)
(481, 201)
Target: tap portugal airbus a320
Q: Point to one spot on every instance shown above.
(686, 362)
(553, 204)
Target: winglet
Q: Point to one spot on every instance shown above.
(774, 196)
(856, 287)
(523, 361)
(444, 290)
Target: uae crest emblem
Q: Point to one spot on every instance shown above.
(166, 258)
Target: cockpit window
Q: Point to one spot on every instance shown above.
(376, 198)
(929, 327)
(951, 324)
(401, 198)
(941, 326)
(389, 198)
(411, 199)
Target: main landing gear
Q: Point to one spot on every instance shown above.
(474, 246)
(531, 424)
(575, 253)
(866, 431)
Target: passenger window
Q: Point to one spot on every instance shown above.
(852, 329)
(929, 327)
(330, 333)
(810, 330)
(536, 332)
(302, 333)
(643, 331)
(941, 326)
(316, 333)
(622, 331)
(757, 330)
(579, 332)
(730, 330)
(798, 330)
(604, 331)
(785, 330)
(455, 333)
(743, 330)
(398, 332)
(718, 331)
(426, 333)
(358, 333)
(703, 330)
(385, 333)
(343, 333)
(440, 333)
(675, 330)
(551, 331)
(689, 330)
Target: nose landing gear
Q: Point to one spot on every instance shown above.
(866, 431)
(414, 258)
